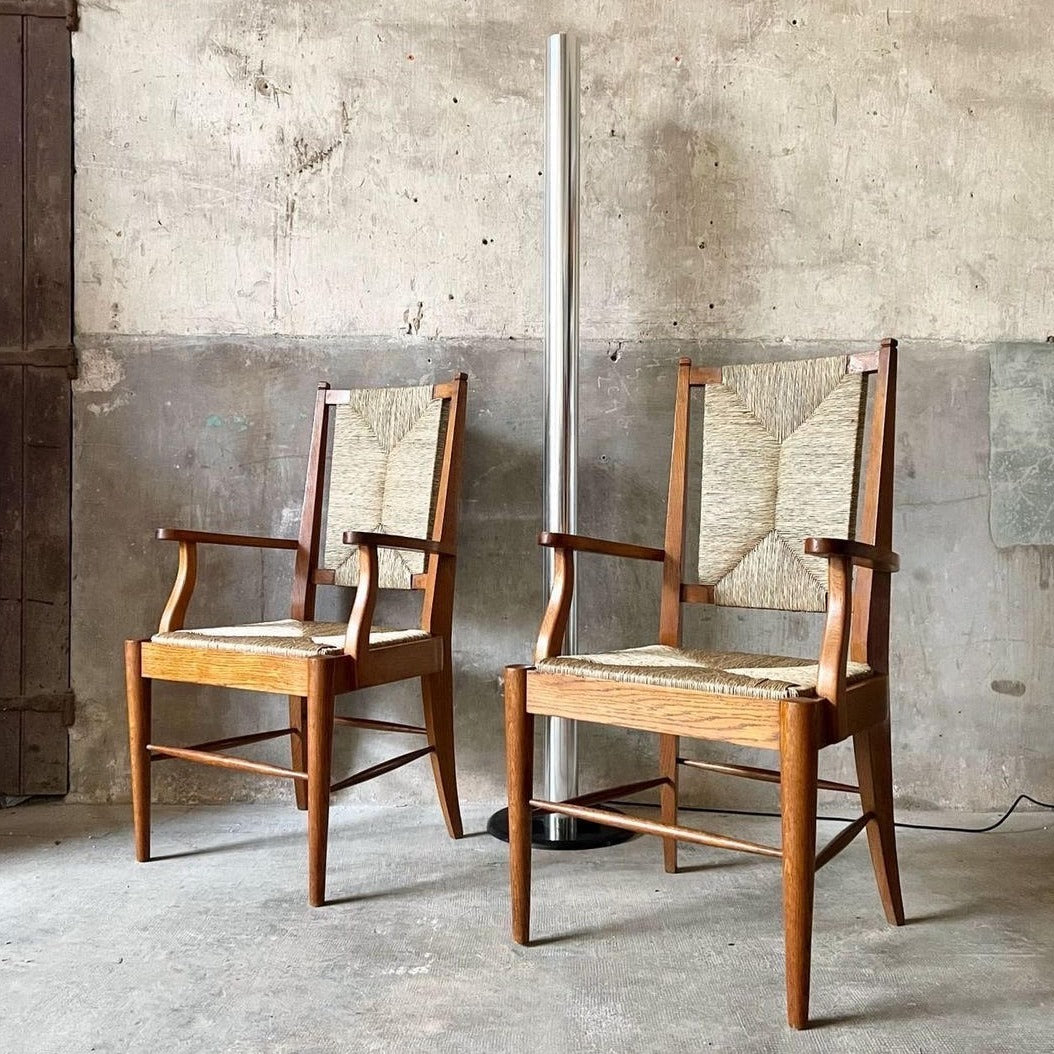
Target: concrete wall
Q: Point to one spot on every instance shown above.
(270, 193)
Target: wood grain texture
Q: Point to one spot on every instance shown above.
(642, 826)
(11, 181)
(139, 726)
(874, 768)
(302, 601)
(10, 752)
(48, 166)
(871, 593)
(668, 750)
(256, 541)
(175, 613)
(860, 553)
(580, 543)
(398, 541)
(553, 630)
(319, 766)
(11, 481)
(842, 840)
(730, 719)
(254, 673)
(382, 768)
(676, 508)
(751, 772)
(799, 753)
(519, 755)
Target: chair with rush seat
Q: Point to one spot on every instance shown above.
(781, 467)
(390, 522)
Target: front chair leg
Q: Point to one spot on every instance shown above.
(798, 765)
(139, 721)
(668, 747)
(298, 745)
(319, 768)
(874, 771)
(437, 694)
(519, 754)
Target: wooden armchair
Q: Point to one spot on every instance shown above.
(391, 522)
(781, 465)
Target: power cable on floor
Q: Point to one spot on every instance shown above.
(850, 819)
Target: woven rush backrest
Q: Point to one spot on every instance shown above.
(781, 462)
(385, 466)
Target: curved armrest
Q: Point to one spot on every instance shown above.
(187, 572)
(860, 553)
(397, 541)
(582, 544)
(177, 534)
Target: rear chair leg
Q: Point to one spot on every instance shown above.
(139, 719)
(298, 746)
(319, 768)
(437, 693)
(519, 753)
(668, 747)
(874, 771)
(798, 764)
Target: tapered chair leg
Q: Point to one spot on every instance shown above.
(139, 720)
(519, 754)
(668, 746)
(437, 693)
(298, 745)
(319, 768)
(798, 764)
(875, 775)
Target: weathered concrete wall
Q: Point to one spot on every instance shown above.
(823, 168)
(271, 193)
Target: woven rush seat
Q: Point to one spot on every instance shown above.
(286, 637)
(715, 672)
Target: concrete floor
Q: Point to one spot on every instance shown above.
(213, 947)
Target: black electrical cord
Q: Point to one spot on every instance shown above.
(849, 819)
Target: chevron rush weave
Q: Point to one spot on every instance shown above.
(384, 476)
(781, 461)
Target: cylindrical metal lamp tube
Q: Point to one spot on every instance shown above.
(561, 373)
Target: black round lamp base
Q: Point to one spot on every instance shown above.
(588, 835)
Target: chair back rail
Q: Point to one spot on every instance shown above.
(872, 516)
(440, 480)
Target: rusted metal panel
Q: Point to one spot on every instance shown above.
(11, 181)
(45, 754)
(10, 752)
(48, 168)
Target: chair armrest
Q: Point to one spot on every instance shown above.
(177, 534)
(398, 541)
(860, 553)
(187, 572)
(581, 544)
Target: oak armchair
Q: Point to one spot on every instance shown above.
(781, 466)
(390, 522)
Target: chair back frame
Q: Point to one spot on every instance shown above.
(437, 581)
(869, 640)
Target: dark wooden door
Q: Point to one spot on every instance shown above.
(36, 364)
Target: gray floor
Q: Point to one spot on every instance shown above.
(213, 948)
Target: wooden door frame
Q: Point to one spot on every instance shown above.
(37, 362)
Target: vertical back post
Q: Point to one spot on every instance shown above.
(302, 605)
(870, 630)
(438, 604)
(676, 505)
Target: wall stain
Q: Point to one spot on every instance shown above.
(1009, 687)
